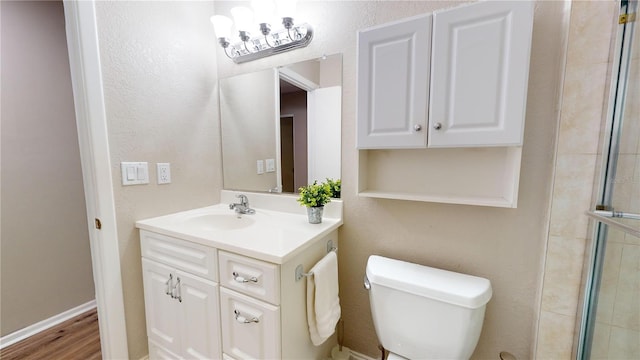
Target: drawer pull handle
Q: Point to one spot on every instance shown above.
(244, 320)
(242, 279)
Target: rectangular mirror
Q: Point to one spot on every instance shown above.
(281, 128)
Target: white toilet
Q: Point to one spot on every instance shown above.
(424, 313)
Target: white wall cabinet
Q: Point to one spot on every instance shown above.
(442, 120)
(393, 84)
(467, 80)
(480, 72)
(257, 309)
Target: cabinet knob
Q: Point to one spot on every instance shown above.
(437, 126)
(417, 127)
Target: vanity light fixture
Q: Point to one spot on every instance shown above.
(270, 41)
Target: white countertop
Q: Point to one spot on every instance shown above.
(269, 235)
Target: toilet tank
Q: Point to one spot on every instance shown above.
(421, 312)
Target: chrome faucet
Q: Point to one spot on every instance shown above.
(243, 206)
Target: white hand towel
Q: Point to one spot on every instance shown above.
(323, 303)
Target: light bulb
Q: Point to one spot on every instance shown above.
(221, 26)
(243, 17)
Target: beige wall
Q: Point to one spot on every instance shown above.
(504, 245)
(159, 73)
(46, 261)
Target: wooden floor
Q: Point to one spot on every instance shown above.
(76, 338)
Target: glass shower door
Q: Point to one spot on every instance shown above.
(611, 327)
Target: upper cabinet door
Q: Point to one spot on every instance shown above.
(479, 74)
(393, 84)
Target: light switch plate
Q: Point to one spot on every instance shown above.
(134, 173)
(271, 165)
(163, 171)
(260, 167)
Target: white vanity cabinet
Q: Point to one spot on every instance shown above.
(457, 78)
(210, 302)
(181, 298)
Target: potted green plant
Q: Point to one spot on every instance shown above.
(335, 187)
(314, 196)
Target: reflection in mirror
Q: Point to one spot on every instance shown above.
(281, 127)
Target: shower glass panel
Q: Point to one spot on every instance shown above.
(616, 331)
(610, 327)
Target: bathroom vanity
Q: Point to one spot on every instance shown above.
(219, 286)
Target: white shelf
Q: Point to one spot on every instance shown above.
(470, 176)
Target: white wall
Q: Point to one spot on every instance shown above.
(503, 245)
(159, 73)
(46, 261)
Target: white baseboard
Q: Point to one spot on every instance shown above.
(45, 324)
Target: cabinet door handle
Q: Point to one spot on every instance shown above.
(177, 290)
(417, 127)
(169, 284)
(437, 126)
(244, 320)
(242, 279)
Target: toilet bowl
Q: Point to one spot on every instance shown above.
(421, 312)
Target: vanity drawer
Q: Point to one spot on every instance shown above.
(193, 258)
(250, 328)
(250, 276)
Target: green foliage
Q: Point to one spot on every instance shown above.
(315, 194)
(335, 187)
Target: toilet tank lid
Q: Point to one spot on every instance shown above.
(446, 286)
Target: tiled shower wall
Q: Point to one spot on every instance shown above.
(585, 92)
(617, 330)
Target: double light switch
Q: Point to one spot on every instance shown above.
(134, 173)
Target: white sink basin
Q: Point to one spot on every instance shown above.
(221, 222)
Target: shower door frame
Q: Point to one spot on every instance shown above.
(611, 142)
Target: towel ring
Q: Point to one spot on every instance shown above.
(299, 269)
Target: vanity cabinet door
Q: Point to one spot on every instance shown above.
(250, 328)
(163, 320)
(199, 317)
(159, 353)
(182, 313)
(479, 74)
(393, 84)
